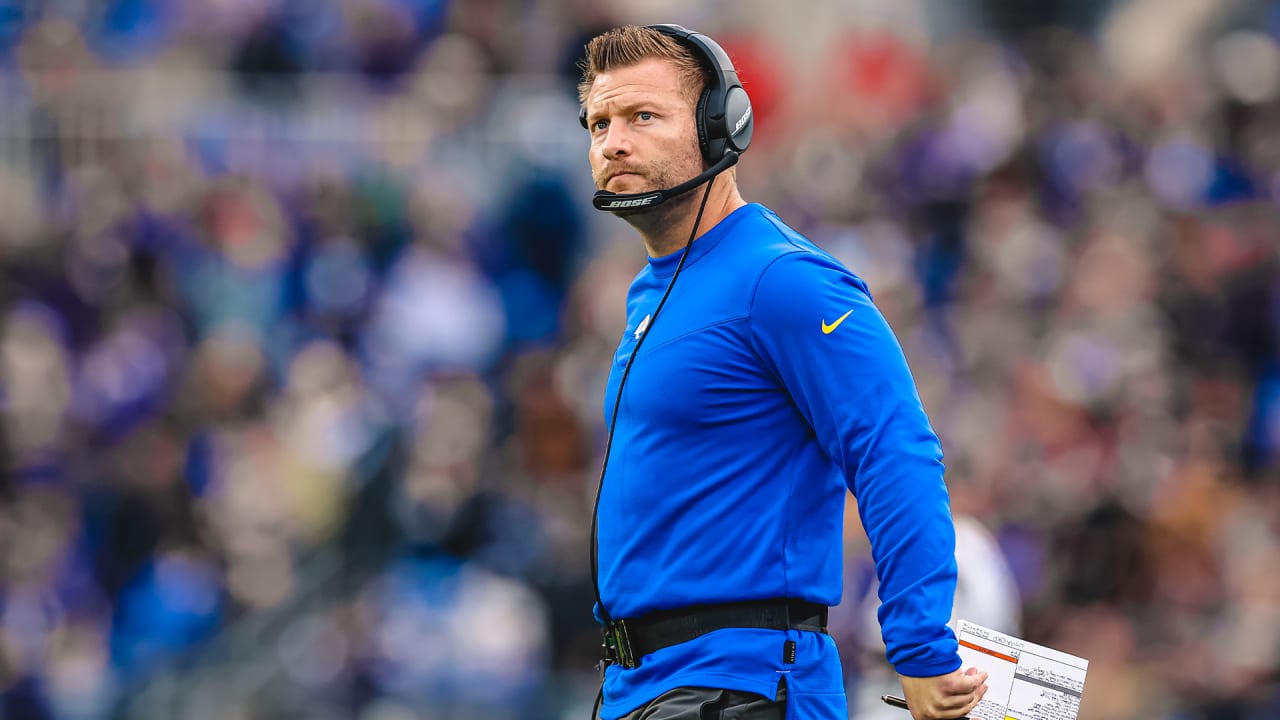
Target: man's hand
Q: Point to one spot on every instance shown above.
(942, 697)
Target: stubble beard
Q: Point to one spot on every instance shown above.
(652, 220)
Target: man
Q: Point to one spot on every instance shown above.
(743, 401)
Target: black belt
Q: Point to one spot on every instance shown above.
(626, 641)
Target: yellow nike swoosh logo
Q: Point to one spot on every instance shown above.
(828, 329)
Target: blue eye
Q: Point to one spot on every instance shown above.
(645, 115)
(600, 125)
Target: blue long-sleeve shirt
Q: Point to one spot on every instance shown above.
(769, 384)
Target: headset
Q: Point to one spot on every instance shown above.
(723, 117)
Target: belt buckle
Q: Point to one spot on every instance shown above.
(617, 643)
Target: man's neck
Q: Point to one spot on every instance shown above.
(667, 229)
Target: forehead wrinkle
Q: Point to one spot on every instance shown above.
(656, 80)
(630, 97)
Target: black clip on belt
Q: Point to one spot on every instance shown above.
(626, 641)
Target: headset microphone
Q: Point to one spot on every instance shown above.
(614, 202)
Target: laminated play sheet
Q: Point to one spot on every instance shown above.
(1025, 681)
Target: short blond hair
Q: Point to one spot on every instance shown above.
(630, 44)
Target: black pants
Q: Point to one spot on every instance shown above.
(694, 703)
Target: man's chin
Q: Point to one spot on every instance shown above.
(659, 212)
(635, 187)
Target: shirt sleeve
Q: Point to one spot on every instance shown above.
(816, 328)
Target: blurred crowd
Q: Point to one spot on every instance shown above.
(305, 315)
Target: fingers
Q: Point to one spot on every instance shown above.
(963, 683)
(943, 697)
(973, 702)
(962, 691)
(952, 703)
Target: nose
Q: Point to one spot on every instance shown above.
(616, 142)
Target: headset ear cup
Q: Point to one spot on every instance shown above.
(700, 119)
(738, 119)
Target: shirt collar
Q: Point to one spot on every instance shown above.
(665, 265)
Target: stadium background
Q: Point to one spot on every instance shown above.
(304, 315)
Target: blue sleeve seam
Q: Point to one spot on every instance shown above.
(751, 306)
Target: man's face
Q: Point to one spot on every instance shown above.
(642, 129)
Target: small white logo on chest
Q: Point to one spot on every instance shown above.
(644, 325)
